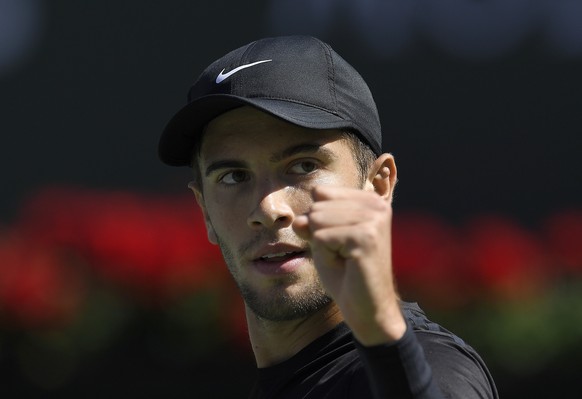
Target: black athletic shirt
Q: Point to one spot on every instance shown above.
(427, 362)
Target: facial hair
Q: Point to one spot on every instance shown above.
(277, 303)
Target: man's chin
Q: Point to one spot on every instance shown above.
(282, 306)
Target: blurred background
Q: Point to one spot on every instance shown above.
(108, 287)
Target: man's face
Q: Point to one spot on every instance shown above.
(257, 173)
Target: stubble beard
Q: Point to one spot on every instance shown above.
(278, 303)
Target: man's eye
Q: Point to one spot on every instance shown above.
(303, 167)
(234, 177)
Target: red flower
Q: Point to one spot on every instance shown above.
(426, 260)
(155, 244)
(505, 259)
(37, 288)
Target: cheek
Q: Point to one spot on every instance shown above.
(344, 176)
(225, 219)
(221, 204)
(300, 199)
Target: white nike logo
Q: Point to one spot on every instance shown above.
(221, 76)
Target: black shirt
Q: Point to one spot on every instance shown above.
(427, 362)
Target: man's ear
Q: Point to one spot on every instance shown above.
(382, 176)
(200, 200)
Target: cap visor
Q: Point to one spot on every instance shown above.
(183, 130)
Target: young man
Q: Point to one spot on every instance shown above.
(284, 139)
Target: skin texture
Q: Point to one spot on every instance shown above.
(270, 188)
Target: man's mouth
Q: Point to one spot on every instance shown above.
(280, 256)
(278, 263)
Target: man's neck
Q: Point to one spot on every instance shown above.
(275, 342)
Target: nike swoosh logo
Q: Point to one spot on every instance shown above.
(221, 76)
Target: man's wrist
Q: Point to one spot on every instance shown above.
(388, 328)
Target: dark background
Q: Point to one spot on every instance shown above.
(479, 121)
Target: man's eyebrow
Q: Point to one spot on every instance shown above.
(224, 164)
(303, 148)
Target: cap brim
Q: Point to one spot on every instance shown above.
(183, 131)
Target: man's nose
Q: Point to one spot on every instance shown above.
(273, 210)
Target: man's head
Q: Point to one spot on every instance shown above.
(257, 175)
(264, 126)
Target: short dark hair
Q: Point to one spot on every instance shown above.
(362, 153)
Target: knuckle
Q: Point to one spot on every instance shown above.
(368, 233)
(319, 236)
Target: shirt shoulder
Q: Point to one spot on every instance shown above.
(456, 365)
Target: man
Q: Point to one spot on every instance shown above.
(284, 140)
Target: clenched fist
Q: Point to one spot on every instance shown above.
(349, 231)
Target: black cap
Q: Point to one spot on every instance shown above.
(297, 78)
